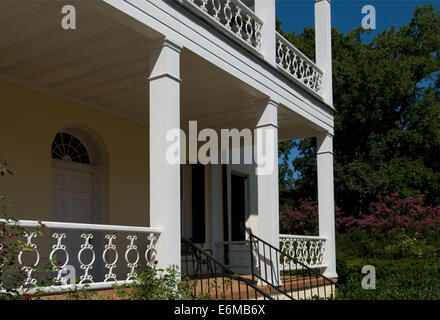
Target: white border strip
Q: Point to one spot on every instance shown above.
(82, 226)
(290, 236)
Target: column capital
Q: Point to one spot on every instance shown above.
(324, 143)
(167, 42)
(164, 60)
(329, 1)
(267, 113)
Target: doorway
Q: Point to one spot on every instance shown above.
(238, 207)
(78, 197)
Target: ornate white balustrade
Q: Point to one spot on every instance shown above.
(308, 250)
(232, 17)
(297, 66)
(100, 256)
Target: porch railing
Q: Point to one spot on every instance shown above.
(297, 66)
(99, 256)
(309, 250)
(237, 21)
(286, 276)
(231, 17)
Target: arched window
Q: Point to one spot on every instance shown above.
(67, 147)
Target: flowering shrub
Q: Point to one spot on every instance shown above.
(301, 220)
(389, 214)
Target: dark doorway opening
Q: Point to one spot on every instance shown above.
(198, 203)
(238, 208)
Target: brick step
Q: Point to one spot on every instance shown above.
(224, 288)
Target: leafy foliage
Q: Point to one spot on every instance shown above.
(13, 276)
(403, 279)
(387, 125)
(160, 284)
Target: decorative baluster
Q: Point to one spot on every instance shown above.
(287, 60)
(227, 12)
(239, 25)
(258, 36)
(302, 253)
(321, 252)
(30, 281)
(317, 86)
(280, 54)
(86, 267)
(110, 265)
(59, 247)
(295, 65)
(313, 79)
(132, 265)
(203, 5)
(217, 8)
(249, 29)
(150, 252)
(306, 78)
(301, 69)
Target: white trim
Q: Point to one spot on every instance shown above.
(82, 226)
(177, 23)
(220, 27)
(72, 287)
(290, 236)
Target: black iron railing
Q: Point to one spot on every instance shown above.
(214, 280)
(285, 276)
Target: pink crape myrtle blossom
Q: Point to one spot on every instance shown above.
(390, 214)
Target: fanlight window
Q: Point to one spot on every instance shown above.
(67, 147)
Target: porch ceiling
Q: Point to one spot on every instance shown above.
(103, 64)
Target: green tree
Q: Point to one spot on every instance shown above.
(387, 125)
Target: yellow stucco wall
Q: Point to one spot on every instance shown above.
(29, 122)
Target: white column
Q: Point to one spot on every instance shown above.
(326, 201)
(265, 10)
(323, 46)
(267, 181)
(165, 177)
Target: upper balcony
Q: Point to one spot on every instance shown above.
(237, 20)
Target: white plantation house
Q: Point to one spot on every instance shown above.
(87, 113)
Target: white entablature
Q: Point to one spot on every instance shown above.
(247, 53)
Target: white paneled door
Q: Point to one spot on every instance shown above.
(72, 201)
(72, 194)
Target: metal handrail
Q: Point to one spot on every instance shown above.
(233, 275)
(295, 260)
(280, 254)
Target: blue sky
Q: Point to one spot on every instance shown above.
(347, 15)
